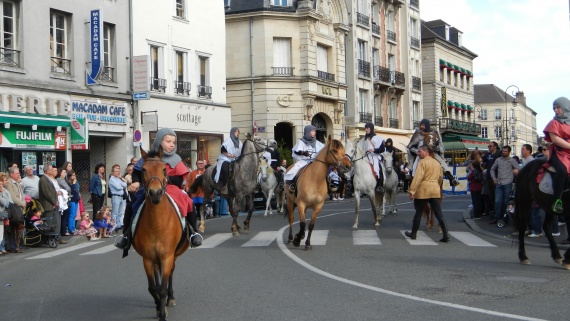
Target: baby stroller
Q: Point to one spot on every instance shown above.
(37, 234)
(509, 212)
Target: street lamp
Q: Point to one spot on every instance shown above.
(505, 132)
(477, 112)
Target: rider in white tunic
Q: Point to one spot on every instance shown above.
(303, 153)
(231, 149)
(375, 147)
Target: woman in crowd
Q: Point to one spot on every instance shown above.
(97, 186)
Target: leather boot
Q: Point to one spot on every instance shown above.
(380, 185)
(452, 180)
(444, 231)
(195, 237)
(292, 185)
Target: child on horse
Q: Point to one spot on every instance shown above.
(230, 151)
(557, 132)
(302, 155)
(165, 143)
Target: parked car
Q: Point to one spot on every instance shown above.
(259, 201)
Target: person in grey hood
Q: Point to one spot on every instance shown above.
(230, 151)
(304, 152)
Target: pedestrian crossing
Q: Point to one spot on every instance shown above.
(267, 238)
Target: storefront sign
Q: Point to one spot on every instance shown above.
(79, 134)
(189, 118)
(140, 74)
(25, 137)
(99, 112)
(96, 47)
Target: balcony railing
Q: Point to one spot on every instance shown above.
(391, 35)
(61, 65)
(393, 123)
(415, 3)
(365, 117)
(157, 84)
(107, 74)
(398, 78)
(182, 88)
(363, 68)
(9, 57)
(379, 121)
(415, 42)
(362, 19)
(416, 83)
(381, 74)
(204, 91)
(325, 75)
(282, 71)
(375, 29)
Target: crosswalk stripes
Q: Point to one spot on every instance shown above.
(421, 239)
(266, 238)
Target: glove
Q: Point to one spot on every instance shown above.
(414, 150)
(306, 153)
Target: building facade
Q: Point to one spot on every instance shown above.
(64, 97)
(448, 94)
(505, 118)
(179, 65)
(286, 67)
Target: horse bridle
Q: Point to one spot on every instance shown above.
(162, 182)
(337, 161)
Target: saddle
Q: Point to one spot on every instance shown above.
(137, 216)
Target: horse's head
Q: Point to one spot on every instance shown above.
(264, 169)
(154, 176)
(388, 160)
(336, 155)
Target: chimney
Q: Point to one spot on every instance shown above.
(520, 97)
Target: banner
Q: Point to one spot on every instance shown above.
(79, 134)
(444, 102)
(96, 46)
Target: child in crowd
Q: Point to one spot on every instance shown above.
(101, 223)
(86, 228)
(107, 217)
(37, 220)
(335, 182)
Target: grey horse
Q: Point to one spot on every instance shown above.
(390, 184)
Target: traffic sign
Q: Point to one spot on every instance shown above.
(141, 95)
(137, 136)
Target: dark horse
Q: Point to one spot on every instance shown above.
(312, 188)
(527, 191)
(241, 185)
(159, 237)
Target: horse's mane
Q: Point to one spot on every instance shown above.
(152, 154)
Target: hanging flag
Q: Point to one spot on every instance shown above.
(96, 47)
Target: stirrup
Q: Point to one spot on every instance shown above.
(224, 189)
(292, 188)
(121, 242)
(380, 190)
(557, 207)
(196, 240)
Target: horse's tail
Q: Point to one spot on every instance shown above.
(197, 183)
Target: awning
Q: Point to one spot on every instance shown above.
(466, 139)
(450, 146)
(34, 119)
(400, 141)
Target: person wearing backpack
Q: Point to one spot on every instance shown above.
(475, 179)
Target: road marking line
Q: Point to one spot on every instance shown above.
(102, 250)
(63, 251)
(365, 238)
(318, 237)
(215, 240)
(421, 239)
(470, 240)
(286, 251)
(261, 239)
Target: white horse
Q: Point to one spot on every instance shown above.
(364, 181)
(390, 184)
(269, 186)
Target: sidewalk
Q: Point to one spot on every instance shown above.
(506, 233)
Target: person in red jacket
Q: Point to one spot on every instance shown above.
(475, 179)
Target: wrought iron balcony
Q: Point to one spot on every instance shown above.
(107, 74)
(362, 19)
(416, 83)
(415, 42)
(365, 117)
(182, 88)
(204, 91)
(282, 71)
(391, 35)
(415, 3)
(375, 29)
(9, 57)
(458, 126)
(61, 65)
(381, 74)
(157, 84)
(325, 75)
(379, 121)
(399, 79)
(363, 68)
(394, 123)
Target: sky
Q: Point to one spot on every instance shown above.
(525, 43)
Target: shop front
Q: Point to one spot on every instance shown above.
(458, 147)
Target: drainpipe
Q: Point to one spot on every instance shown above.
(251, 73)
(134, 103)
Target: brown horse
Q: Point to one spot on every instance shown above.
(312, 188)
(159, 237)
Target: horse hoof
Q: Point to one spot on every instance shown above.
(308, 247)
(525, 262)
(354, 228)
(296, 242)
(559, 261)
(201, 228)
(376, 226)
(171, 302)
(235, 233)
(566, 265)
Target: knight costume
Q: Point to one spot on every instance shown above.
(303, 153)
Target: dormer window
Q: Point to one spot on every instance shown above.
(281, 3)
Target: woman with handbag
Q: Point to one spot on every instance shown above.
(97, 187)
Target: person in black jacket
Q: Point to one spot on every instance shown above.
(488, 193)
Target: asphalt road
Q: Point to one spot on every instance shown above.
(349, 275)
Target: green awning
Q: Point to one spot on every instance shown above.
(450, 146)
(442, 62)
(34, 119)
(461, 138)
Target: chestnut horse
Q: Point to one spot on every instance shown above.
(159, 237)
(312, 188)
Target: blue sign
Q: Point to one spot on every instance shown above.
(96, 47)
(141, 95)
(137, 136)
